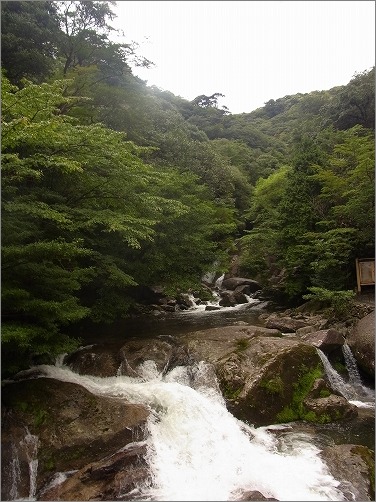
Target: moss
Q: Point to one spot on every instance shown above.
(325, 393)
(242, 344)
(368, 457)
(39, 414)
(230, 392)
(273, 386)
(287, 415)
(340, 367)
(296, 410)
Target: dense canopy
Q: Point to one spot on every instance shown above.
(108, 183)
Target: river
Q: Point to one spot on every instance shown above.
(196, 449)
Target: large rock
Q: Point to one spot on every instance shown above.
(143, 357)
(71, 425)
(332, 407)
(326, 340)
(265, 379)
(112, 478)
(97, 360)
(285, 324)
(362, 343)
(234, 282)
(354, 467)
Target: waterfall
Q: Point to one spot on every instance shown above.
(30, 445)
(352, 367)
(15, 473)
(218, 282)
(353, 389)
(197, 450)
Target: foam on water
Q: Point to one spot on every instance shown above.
(197, 450)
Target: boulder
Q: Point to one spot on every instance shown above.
(71, 425)
(232, 298)
(252, 495)
(97, 360)
(146, 356)
(361, 340)
(285, 324)
(112, 478)
(354, 467)
(227, 299)
(326, 340)
(265, 379)
(330, 408)
(233, 282)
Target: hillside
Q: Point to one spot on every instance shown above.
(110, 185)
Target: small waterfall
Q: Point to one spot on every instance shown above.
(353, 389)
(218, 282)
(30, 445)
(197, 450)
(15, 473)
(352, 367)
(59, 361)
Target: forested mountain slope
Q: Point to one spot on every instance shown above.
(108, 183)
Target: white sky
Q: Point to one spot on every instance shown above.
(250, 51)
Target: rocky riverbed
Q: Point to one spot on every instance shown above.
(267, 374)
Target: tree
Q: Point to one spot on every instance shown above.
(204, 101)
(80, 209)
(65, 188)
(355, 103)
(29, 40)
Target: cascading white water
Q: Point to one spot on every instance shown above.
(353, 389)
(218, 282)
(15, 473)
(197, 450)
(30, 445)
(351, 366)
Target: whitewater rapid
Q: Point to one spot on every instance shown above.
(197, 450)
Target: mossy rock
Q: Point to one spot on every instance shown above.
(275, 390)
(74, 427)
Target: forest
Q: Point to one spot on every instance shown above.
(109, 184)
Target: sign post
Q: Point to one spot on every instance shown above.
(365, 272)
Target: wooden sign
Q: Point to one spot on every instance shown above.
(365, 272)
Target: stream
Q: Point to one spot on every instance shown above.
(196, 449)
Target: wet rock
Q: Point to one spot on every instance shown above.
(264, 379)
(326, 340)
(233, 282)
(112, 478)
(279, 374)
(239, 295)
(285, 324)
(353, 466)
(330, 408)
(96, 360)
(142, 357)
(73, 426)
(134, 353)
(361, 340)
(252, 495)
(227, 299)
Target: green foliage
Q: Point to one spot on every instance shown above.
(339, 302)
(108, 183)
(85, 219)
(29, 33)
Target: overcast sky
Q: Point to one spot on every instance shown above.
(250, 51)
